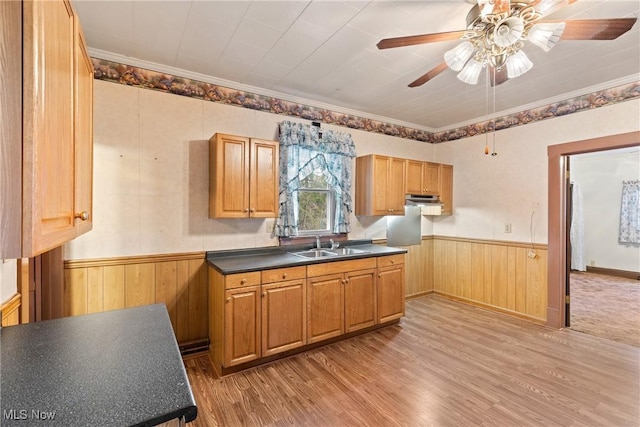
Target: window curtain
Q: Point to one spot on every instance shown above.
(304, 149)
(630, 212)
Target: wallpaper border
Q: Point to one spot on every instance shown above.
(148, 79)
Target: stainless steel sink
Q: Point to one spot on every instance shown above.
(314, 253)
(348, 251)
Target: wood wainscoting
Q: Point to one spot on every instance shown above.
(493, 274)
(11, 311)
(178, 280)
(419, 268)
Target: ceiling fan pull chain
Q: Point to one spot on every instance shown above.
(486, 112)
(493, 153)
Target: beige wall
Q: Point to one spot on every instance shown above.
(490, 191)
(151, 174)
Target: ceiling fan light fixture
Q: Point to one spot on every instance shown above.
(518, 64)
(508, 31)
(470, 72)
(459, 55)
(546, 35)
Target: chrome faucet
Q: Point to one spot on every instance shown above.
(318, 244)
(334, 245)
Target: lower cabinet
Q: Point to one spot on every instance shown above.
(284, 316)
(242, 325)
(262, 313)
(390, 288)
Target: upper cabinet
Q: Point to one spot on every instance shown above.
(422, 177)
(445, 188)
(243, 177)
(380, 182)
(56, 138)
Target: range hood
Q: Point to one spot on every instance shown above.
(430, 205)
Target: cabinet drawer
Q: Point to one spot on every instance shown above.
(280, 274)
(340, 266)
(386, 261)
(242, 279)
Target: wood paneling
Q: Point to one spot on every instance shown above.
(179, 281)
(11, 311)
(493, 274)
(419, 268)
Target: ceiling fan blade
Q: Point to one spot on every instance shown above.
(497, 76)
(595, 29)
(429, 75)
(420, 39)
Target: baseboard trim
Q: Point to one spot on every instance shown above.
(194, 347)
(634, 275)
(419, 294)
(490, 307)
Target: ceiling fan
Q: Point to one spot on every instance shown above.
(495, 35)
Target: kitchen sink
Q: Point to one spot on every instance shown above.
(348, 251)
(314, 253)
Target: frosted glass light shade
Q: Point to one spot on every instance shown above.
(546, 34)
(459, 55)
(508, 31)
(470, 72)
(518, 64)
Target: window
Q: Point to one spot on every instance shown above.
(315, 205)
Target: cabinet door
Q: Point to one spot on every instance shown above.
(380, 185)
(242, 325)
(414, 177)
(83, 135)
(283, 316)
(48, 120)
(359, 300)
(446, 188)
(263, 191)
(325, 307)
(228, 176)
(430, 178)
(390, 293)
(396, 185)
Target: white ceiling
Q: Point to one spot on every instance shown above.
(324, 52)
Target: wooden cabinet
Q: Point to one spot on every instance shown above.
(390, 288)
(259, 314)
(83, 134)
(325, 311)
(241, 325)
(243, 177)
(54, 99)
(341, 298)
(256, 314)
(422, 177)
(445, 183)
(380, 182)
(284, 311)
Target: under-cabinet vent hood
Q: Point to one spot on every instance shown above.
(430, 205)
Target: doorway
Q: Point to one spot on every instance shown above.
(602, 286)
(558, 160)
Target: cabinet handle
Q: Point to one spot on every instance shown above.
(392, 261)
(246, 210)
(228, 299)
(379, 275)
(264, 294)
(252, 210)
(84, 215)
(284, 276)
(243, 281)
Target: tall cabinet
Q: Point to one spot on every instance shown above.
(55, 142)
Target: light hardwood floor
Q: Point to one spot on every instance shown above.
(445, 364)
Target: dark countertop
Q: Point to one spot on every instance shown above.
(245, 260)
(119, 368)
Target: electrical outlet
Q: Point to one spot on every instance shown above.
(507, 227)
(532, 255)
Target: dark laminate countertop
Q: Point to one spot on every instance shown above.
(117, 368)
(245, 260)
